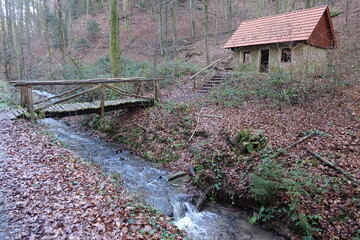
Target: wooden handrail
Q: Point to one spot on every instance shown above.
(122, 92)
(204, 69)
(67, 98)
(207, 67)
(79, 82)
(27, 100)
(57, 96)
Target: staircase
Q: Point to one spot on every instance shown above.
(215, 80)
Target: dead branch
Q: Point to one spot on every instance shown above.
(197, 123)
(245, 172)
(211, 116)
(333, 165)
(277, 154)
(200, 203)
(141, 127)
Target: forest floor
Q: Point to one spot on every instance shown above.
(195, 132)
(48, 193)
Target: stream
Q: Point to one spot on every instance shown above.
(148, 182)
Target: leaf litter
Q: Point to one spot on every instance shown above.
(48, 193)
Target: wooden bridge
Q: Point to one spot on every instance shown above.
(54, 106)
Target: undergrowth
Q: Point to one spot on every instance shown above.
(277, 87)
(281, 192)
(6, 96)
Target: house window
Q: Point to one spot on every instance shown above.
(286, 55)
(246, 57)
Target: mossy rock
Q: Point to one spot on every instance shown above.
(249, 142)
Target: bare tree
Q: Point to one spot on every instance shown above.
(114, 40)
(206, 24)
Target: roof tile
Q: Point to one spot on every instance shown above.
(286, 27)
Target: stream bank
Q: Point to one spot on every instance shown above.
(280, 189)
(49, 193)
(148, 182)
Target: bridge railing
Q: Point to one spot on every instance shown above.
(209, 67)
(102, 84)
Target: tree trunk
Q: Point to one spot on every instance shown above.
(47, 29)
(166, 25)
(126, 10)
(5, 55)
(217, 20)
(206, 23)
(173, 18)
(114, 40)
(87, 7)
(20, 46)
(161, 28)
(347, 13)
(192, 12)
(61, 29)
(230, 14)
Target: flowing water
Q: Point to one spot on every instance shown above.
(149, 183)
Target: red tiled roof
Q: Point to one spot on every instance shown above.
(286, 27)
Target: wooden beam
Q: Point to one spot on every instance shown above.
(141, 89)
(60, 95)
(157, 95)
(79, 82)
(23, 96)
(102, 101)
(204, 69)
(67, 98)
(122, 92)
(27, 99)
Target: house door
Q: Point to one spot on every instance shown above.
(264, 61)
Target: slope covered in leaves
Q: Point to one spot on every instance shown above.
(199, 133)
(48, 193)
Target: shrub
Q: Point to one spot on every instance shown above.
(248, 142)
(271, 178)
(6, 100)
(277, 88)
(92, 30)
(82, 44)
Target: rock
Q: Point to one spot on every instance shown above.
(177, 175)
(192, 171)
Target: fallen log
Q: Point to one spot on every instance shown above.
(177, 175)
(279, 153)
(333, 165)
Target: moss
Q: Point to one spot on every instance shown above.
(249, 142)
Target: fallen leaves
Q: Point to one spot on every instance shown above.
(169, 127)
(51, 194)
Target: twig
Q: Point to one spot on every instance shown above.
(211, 116)
(245, 172)
(277, 154)
(201, 201)
(333, 165)
(142, 127)
(197, 123)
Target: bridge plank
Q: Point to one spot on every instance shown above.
(62, 110)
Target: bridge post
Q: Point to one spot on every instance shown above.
(27, 99)
(102, 101)
(157, 91)
(141, 89)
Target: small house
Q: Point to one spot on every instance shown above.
(299, 38)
